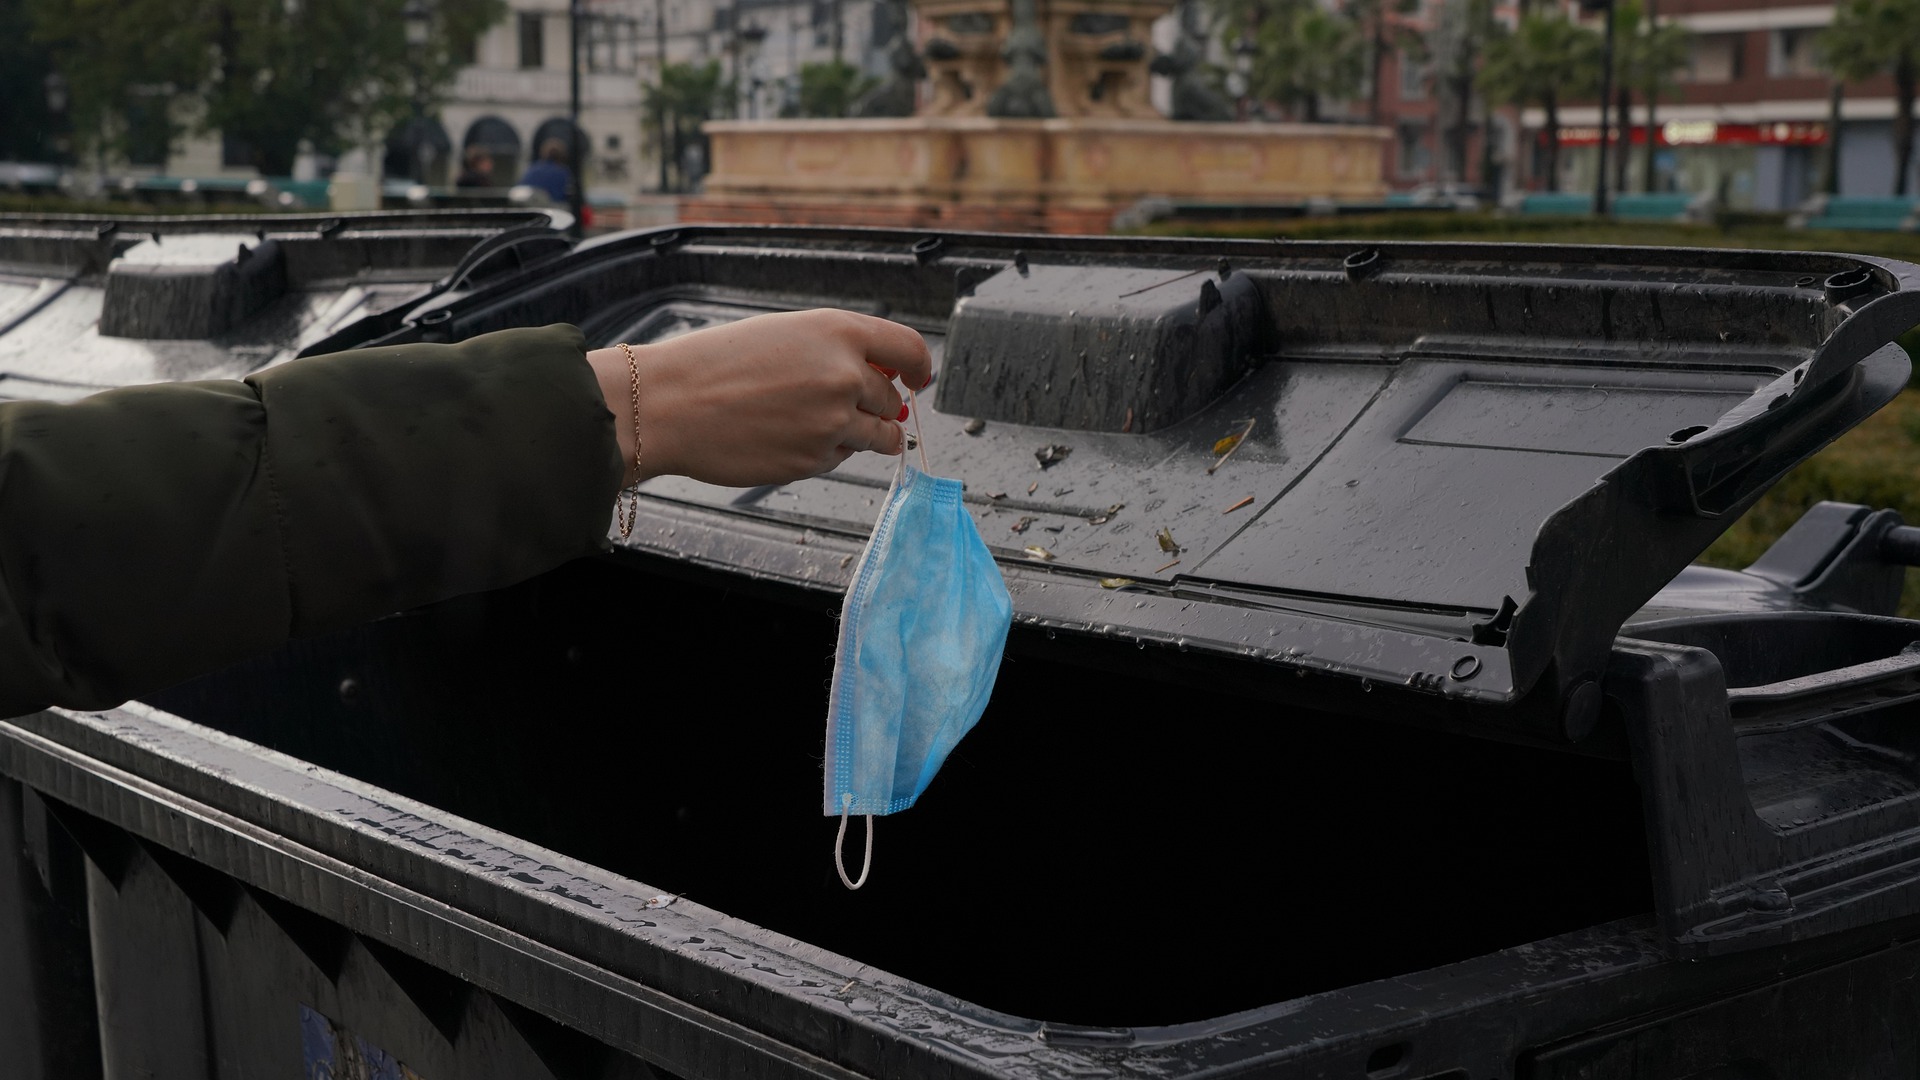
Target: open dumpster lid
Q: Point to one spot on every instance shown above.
(1446, 472)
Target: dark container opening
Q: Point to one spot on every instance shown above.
(1107, 849)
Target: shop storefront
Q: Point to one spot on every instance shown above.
(1770, 166)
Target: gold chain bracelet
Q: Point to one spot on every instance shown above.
(627, 506)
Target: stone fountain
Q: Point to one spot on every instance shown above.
(1028, 116)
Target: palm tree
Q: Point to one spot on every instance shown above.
(688, 95)
(1545, 58)
(1645, 55)
(1462, 32)
(1871, 36)
(1376, 16)
(1306, 56)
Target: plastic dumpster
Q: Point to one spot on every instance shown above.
(1363, 716)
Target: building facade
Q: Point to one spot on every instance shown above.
(514, 94)
(1748, 120)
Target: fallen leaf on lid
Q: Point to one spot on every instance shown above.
(1248, 501)
(1051, 454)
(1165, 536)
(1115, 582)
(1106, 515)
(1021, 525)
(996, 494)
(1033, 487)
(975, 426)
(1035, 551)
(1224, 449)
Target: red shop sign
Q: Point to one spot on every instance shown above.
(1709, 133)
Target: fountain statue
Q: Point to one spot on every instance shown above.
(1028, 115)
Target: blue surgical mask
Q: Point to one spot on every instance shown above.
(921, 635)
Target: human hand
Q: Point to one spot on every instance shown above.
(766, 400)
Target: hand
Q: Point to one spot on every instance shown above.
(766, 400)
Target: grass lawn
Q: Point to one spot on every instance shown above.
(1877, 464)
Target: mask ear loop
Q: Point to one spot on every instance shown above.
(840, 842)
(918, 439)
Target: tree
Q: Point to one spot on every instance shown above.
(28, 118)
(1645, 56)
(1660, 51)
(1376, 17)
(1305, 56)
(1868, 37)
(688, 95)
(1545, 58)
(1462, 31)
(269, 74)
(828, 89)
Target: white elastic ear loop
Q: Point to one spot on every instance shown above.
(840, 842)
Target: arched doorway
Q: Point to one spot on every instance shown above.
(419, 150)
(496, 139)
(558, 128)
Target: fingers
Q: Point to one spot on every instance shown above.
(878, 397)
(872, 433)
(891, 346)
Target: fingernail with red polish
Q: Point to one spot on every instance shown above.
(929, 381)
(903, 414)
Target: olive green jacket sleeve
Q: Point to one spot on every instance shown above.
(155, 533)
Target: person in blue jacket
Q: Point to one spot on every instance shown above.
(550, 173)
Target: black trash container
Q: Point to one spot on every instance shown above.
(1362, 716)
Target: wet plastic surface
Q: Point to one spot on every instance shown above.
(1233, 775)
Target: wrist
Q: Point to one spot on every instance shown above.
(615, 378)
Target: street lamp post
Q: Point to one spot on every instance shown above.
(419, 19)
(576, 191)
(1605, 7)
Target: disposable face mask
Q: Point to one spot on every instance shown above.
(920, 641)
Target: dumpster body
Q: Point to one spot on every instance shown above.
(1362, 716)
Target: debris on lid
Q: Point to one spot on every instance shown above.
(996, 495)
(1035, 551)
(975, 426)
(1248, 501)
(1051, 454)
(1106, 515)
(1167, 544)
(1021, 525)
(1127, 424)
(1033, 487)
(1116, 582)
(1225, 447)
(1167, 567)
(1057, 492)
(660, 901)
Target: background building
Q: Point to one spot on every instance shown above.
(1749, 117)
(514, 94)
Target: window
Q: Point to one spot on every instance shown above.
(1413, 79)
(613, 44)
(235, 152)
(1715, 58)
(533, 44)
(1415, 156)
(722, 19)
(1793, 53)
